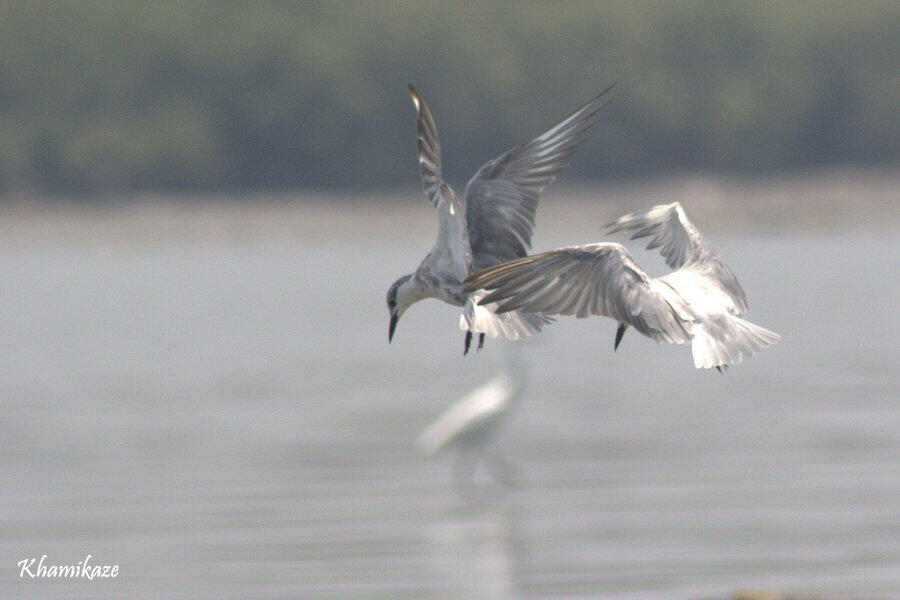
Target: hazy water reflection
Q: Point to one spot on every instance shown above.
(227, 420)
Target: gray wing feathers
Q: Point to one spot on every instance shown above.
(597, 279)
(675, 241)
(682, 245)
(429, 155)
(502, 197)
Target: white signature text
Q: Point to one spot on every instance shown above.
(33, 567)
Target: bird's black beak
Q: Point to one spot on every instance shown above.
(619, 333)
(394, 319)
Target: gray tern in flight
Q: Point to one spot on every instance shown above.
(494, 224)
(700, 301)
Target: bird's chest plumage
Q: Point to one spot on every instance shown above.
(442, 285)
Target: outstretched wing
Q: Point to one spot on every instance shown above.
(677, 240)
(682, 245)
(429, 156)
(596, 279)
(452, 254)
(502, 197)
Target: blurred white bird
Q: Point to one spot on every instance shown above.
(701, 301)
(495, 225)
(470, 425)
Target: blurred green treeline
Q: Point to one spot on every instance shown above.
(130, 95)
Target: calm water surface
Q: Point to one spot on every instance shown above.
(226, 420)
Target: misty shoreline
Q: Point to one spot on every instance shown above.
(825, 200)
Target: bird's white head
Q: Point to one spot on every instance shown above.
(401, 295)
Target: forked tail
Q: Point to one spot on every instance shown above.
(726, 340)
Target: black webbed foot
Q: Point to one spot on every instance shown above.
(721, 368)
(480, 341)
(468, 343)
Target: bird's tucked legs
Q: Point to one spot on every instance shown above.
(721, 368)
(468, 342)
(502, 470)
(464, 474)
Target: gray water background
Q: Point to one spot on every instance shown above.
(220, 415)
